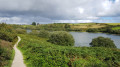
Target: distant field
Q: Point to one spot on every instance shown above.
(87, 25)
(62, 26)
(83, 24)
(113, 23)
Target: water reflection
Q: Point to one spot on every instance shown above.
(84, 38)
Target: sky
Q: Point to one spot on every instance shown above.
(59, 11)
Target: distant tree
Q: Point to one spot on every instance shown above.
(67, 26)
(37, 23)
(33, 23)
(92, 30)
(102, 42)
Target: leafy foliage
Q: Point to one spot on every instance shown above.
(102, 42)
(7, 39)
(40, 53)
(44, 33)
(7, 33)
(61, 38)
(20, 31)
(6, 53)
(33, 23)
(34, 32)
(92, 30)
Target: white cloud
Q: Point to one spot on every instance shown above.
(81, 10)
(11, 20)
(73, 21)
(4, 19)
(107, 4)
(93, 17)
(110, 8)
(117, 1)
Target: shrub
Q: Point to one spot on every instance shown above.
(21, 31)
(102, 42)
(92, 30)
(61, 38)
(6, 32)
(6, 49)
(44, 34)
(7, 36)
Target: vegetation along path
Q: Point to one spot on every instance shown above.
(18, 59)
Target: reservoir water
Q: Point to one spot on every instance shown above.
(28, 30)
(84, 38)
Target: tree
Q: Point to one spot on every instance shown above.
(61, 38)
(33, 23)
(102, 42)
(67, 26)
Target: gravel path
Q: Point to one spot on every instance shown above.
(18, 59)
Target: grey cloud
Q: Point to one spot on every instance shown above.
(50, 10)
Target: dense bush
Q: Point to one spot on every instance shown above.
(92, 30)
(7, 38)
(61, 38)
(21, 31)
(44, 34)
(6, 52)
(102, 42)
(7, 32)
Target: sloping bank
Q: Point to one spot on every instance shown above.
(40, 53)
(6, 53)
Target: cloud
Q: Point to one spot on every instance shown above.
(111, 8)
(11, 20)
(46, 11)
(73, 21)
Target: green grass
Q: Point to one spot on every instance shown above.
(87, 25)
(113, 23)
(116, 28)
(10, 61)
(40, 53)
(83, 24)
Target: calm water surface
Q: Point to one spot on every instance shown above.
(84, 38)
(28, 30)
